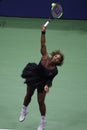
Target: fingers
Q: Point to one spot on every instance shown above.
(43, 29)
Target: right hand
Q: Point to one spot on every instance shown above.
(43, 29)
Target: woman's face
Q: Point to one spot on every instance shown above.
(56, 58)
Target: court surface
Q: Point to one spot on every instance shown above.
(67, 99)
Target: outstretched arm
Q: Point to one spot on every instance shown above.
(43, 41)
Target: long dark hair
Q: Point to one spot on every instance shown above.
(59, 63)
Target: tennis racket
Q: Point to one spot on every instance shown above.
(56, 12)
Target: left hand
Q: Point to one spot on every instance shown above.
(46, 88)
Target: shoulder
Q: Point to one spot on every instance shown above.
(45, 57)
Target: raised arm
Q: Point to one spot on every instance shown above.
(43, 41)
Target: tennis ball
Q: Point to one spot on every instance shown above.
(53, 5)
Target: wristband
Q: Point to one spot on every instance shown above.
(43, 32)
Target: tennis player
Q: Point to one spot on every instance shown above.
(40, 77)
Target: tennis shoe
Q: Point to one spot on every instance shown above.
(23, 115)
(42, 125)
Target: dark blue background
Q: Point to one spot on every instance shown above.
(73, 9)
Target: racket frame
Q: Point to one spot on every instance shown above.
(54, 17)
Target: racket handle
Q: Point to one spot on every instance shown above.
(45, 25)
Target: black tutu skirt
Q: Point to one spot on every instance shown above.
(31, 74)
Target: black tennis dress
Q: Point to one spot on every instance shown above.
(37, 76)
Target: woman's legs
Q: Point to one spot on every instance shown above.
(28, 96)
(41, 102)
(42, 108)
(27, 100)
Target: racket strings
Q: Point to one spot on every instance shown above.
(57, 11)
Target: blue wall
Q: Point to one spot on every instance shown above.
(73, 9)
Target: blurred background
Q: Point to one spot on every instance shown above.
(73, 9)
